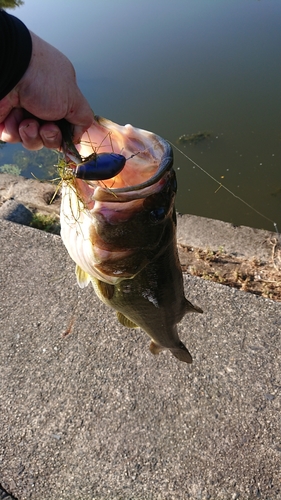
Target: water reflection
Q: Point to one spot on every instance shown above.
(180, 68)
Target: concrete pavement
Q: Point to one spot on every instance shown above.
(88, 413)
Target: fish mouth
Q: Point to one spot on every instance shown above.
(148, 157)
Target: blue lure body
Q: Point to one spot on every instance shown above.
(99, 167)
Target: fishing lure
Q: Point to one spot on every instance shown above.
(99, 167)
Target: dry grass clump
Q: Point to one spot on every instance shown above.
(253, 275)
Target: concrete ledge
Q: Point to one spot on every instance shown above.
(241, 241)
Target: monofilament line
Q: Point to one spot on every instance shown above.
(224, 187)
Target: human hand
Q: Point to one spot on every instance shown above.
(48, 91)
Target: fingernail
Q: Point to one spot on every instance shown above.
(50, 138)
(31, 130)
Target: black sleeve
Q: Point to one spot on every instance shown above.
(15, 51)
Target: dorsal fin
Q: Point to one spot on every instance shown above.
(125, 321)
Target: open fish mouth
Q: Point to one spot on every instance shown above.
(146, 155)
(121, 231)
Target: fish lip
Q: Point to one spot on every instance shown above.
(165, 158)
(165, 165)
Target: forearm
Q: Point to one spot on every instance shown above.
(15, 52)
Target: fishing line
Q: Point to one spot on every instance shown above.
(224, 187)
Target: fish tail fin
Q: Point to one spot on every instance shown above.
(179, 352)
(182, 353)
(191, 308)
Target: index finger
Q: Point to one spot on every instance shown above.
(81, 117)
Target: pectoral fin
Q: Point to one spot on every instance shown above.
(125, 321)
(105, 289)
(83, 278)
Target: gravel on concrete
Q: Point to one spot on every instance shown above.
(88, 413)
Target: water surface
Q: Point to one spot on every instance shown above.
(179, 67)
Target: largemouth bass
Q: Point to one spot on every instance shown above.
(121, 232)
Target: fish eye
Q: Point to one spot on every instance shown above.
(157, 215)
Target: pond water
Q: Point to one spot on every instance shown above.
(180, 67)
